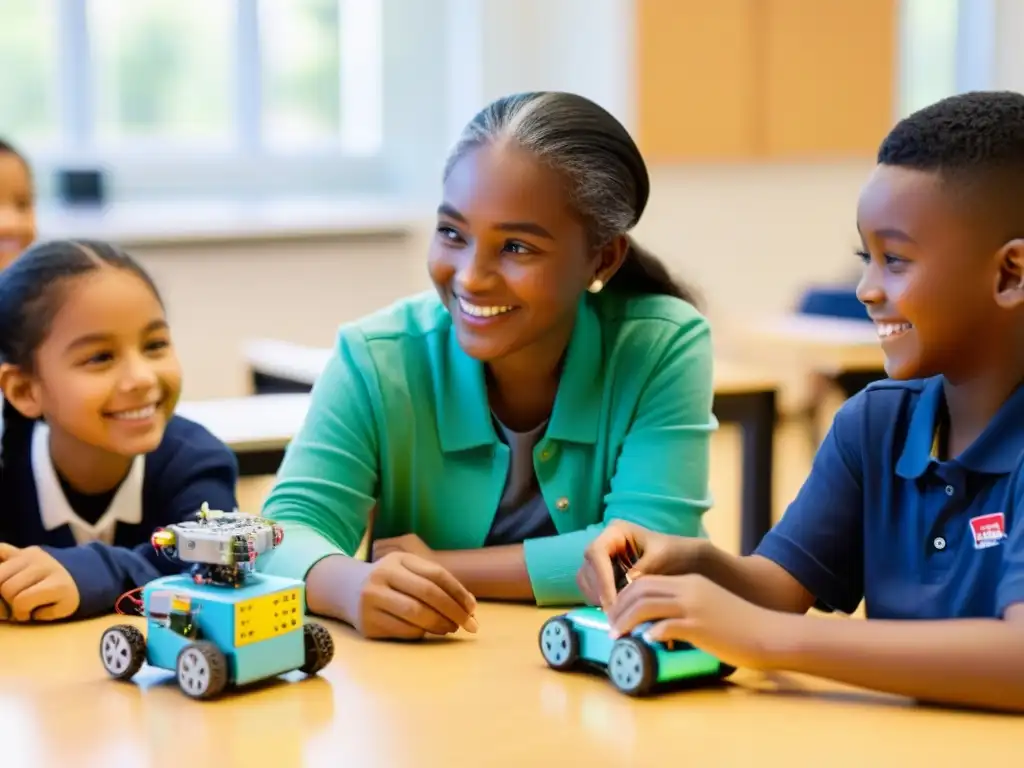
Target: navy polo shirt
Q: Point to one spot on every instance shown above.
(881, 518)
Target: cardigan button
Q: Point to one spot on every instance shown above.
(562, 504)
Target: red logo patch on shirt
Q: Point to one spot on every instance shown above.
(988, 530)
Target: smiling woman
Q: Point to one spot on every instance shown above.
(94, 458)
(557, 379)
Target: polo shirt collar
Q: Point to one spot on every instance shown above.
(464, 414)
(996, 451)
(917, 450)
(54, 509)
(574, 417)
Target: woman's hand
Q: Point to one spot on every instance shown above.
(34, 586)
(694, 609)
(656, 553)
(410, 543)
(404, 597)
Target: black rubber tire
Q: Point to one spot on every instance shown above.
(136, 651)
(647, 674)
(217, 671)
(571, 643)
(319, 647)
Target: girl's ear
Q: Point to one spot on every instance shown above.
(20, 391)
(1010, 279)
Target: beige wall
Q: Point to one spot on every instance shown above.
(749, 237)
(219, 296)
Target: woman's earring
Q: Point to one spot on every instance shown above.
(596, 286)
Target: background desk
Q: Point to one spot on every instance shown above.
(484, 700)
(743, 396)
(845, 350)
(257, 429)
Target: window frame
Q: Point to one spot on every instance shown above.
(974, 52)
(244, 168)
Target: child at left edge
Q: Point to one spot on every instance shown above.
(92, 458)
(17, 204)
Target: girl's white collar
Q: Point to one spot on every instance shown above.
(54, 509)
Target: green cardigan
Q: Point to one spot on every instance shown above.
(399, 420)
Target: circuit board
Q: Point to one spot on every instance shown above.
(219, 539)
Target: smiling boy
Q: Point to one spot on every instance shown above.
(910, 504)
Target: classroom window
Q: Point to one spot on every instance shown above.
(321, 74)
(176, 98)
(301, 61)
(28, 71)
(162, 70)
(928, 52)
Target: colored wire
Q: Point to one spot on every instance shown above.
(130, 597)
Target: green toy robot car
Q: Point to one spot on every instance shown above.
(636, 666)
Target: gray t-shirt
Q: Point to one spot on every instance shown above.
(522, 512)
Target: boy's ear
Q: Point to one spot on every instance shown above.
(1010, 275)
(20, 391)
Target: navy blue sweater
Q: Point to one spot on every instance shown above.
(190, 467)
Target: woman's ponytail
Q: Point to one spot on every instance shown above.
(644, 273)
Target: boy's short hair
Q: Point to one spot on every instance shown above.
(975, 139)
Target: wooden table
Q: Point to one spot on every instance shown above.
(484, 700)
(743, 396)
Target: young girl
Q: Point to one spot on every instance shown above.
(17, 205)
(915, 501)
(93, 457)
(557, 379)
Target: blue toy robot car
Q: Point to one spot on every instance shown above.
(223, 624)
(635, 665)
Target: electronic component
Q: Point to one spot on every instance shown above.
(223, 623)
(622, 564)
(221, 546)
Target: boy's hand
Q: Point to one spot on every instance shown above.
(34, 586)
(656, 553)
(695, 610)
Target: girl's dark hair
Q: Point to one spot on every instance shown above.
(32, 290)
(605, 171)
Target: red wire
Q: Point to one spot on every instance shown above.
(135, 601)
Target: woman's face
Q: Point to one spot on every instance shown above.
(17, 212)
(510, 258)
